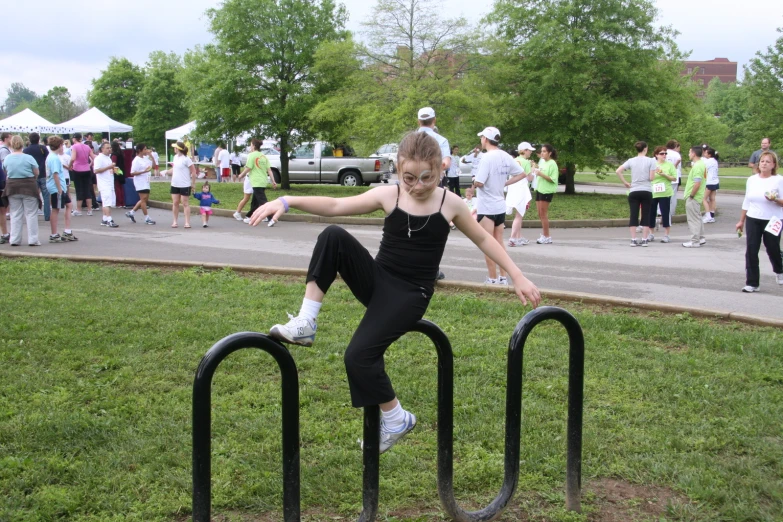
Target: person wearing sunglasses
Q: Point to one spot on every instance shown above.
(662, 191)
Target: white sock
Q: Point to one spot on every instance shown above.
(394, 419)
(130, 212)
(310, 309)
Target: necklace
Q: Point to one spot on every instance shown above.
(418, 229)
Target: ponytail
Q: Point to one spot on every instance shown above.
(551, 149)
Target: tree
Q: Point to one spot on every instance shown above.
(56, 105)
(764, 80)
(116, 91)
(257, 76)
(729, 102)
(18, 95)
(590, 76)
(161, 103)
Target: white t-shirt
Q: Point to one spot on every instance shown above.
(224, 159)
(157, 158)
(235, 159)
(66, 161)
(758, 206)
(640, 168)
(105, 179)
(445, 150)
(712, 171)
(180, 171)
(141, 181)
(474, 162)
(495, 168)
(673, 157)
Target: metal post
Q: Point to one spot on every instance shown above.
(371, 460)
(202, 421)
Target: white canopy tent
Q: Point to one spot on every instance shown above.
(96, 121)
(28, 121)
(178, 134)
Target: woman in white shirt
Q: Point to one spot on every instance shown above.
(236, 166)
(760, 209)
(713, 184)
(183, 181)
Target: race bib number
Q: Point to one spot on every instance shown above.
(774, 226)
(659, 187)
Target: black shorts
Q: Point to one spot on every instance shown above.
(498, 219)
(59, 201)
(713, 187)
(144, 191)
(544, 197)
(182, 191)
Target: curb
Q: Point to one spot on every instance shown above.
(617, 185)
(577, 297)
(312, 218)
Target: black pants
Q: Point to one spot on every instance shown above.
(644, 199)
(259, 198)
(665, 203)
(754, 234)
(82, 182)
(235, 169)
(454, 185)
(393, 307)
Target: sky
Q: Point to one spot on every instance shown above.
(48, 49)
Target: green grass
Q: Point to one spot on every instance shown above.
(725, 182)
(574, 206)
(97, 364)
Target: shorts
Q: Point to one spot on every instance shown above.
(59, 201)
(108, 198)
(713, 187)
(247, 188)
(143, 191)
(225, 172)
(205, 210)
(498, 219)
(182, 191)
(544, 197)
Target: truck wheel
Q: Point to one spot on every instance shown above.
(276, 174)
(351, 178)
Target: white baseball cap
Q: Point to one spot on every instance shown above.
(525, 146)
(426, 113)
(491, 133)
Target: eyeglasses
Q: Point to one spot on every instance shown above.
(427, 177)
(662, 154)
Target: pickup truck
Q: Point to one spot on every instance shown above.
(315, 162)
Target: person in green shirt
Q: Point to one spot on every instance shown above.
(546, 186)
(260, 173)
(694, 194)
(662, 191)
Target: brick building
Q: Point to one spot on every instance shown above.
(704, 72)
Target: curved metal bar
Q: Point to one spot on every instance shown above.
(513, 414)
(202, 421)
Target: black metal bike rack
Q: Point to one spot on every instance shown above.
(371, 475)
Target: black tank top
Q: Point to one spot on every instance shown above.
(412, 246)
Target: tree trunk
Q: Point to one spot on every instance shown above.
(569, 178)
(284, 183)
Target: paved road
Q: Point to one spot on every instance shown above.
(597, 261)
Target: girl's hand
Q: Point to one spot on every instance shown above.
(627, 185)
(526, 291)
(739, 226)
(272, 210)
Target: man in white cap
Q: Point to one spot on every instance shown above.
(427, 124)
(493, 172)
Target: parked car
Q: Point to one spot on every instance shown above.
(388, 151)
(315, 162)
(268, 152)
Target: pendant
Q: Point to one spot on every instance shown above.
(409, 232)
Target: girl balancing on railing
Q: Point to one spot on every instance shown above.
(397, 285)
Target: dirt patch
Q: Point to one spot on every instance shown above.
(621, 501)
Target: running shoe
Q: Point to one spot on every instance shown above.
(708, 219)
(69, 237)
(665, 239)
(544, 240)
(634, 243)
(75, 213)
(298, 330)
(651, 238)
(490, 281)
(503, 280)
(112, 224)
(390, 438)
(271, 223)
(57, 238)
(148, 221)
(89, 212)
(702, 241)
(691, 244)
(246, 220)
(237, 216)
(441, 275)
(37, 243)
(518, 242)
(130, 216)
(779, 278)
(204, 225)
(5, 239)
(645, 242)
(750, 289)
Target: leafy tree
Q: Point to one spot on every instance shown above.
(161, 103)
(589, 76)
(18, 95)
(116, 91)
(764, 80)
(257, 76)
(729, 102)
(56, 105)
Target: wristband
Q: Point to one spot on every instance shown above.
(285, 203)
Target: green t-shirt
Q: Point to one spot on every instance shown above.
(259, 168)
(549, 168)
(669, 170)
(524, 163)
(698, 173)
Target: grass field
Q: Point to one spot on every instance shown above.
(726, 183)
(575, 206)
(97, 364)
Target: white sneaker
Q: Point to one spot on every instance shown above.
(750, 289)
(75, 213)
(518, 242)
(503, 280)
(298, 330)
(635, 243)
(490, 281)
(237, 216)
(246, 220)
(702, 241)
(691, 244)
(779, 277)
(271, 223)
(390, 438)
(665, 239)
(544, 240)
(651, 237)
(708, 219)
